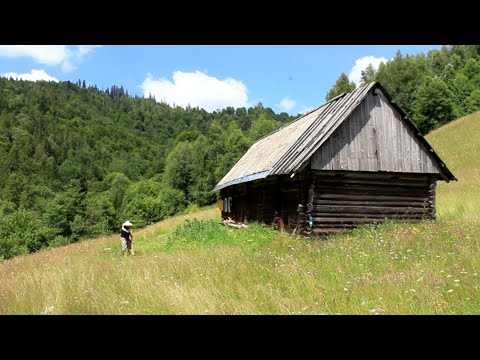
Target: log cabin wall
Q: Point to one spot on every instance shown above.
(316, 202)
(348, 199)
(258, 200)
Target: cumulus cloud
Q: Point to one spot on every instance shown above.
(55, 55)
(33, 75)
(355, 74)
(287, 104)
(197, 89)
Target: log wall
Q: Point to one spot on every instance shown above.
(346, 200)
(333, 200)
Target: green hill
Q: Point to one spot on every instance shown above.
(189, 264)
(76, 161)
(457, 145)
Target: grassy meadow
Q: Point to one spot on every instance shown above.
(189, 264)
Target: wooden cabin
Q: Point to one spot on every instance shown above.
(355, 159)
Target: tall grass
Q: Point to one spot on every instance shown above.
(422, 268)
(190, 264)
(457, 143)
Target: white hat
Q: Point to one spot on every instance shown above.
(127, 223)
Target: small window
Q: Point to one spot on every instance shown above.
(227, 204)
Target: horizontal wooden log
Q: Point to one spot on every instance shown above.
(367, 209)
(370, 197)
(371, 203)
(364, 190)
(384, 186)
(371, 182)
(368, 175)
(346, 220)
(365, 215)
(337, 225)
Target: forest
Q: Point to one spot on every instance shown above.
(76, 161)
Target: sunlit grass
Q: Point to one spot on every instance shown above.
(421, 268)
(458, 146)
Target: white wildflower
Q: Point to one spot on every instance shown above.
(47, 310)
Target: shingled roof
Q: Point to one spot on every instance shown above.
(288, 149)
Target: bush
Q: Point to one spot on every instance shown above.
(22, 233)
(197, 231)
(146, 210)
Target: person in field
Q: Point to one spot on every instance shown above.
(126, 237)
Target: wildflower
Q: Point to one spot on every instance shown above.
(47, 310)
(345, 289)
(456, 280)
(450, 290)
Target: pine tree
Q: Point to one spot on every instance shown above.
(341, 85)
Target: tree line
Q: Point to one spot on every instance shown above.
(432, 88)
(76, 161)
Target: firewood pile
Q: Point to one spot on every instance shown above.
(232, 223)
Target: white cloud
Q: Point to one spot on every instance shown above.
(197, 89)
(83, 50)
(55, 55)
(287, 103)
(355, 74)
(33, 75)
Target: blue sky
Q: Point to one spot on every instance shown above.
(286, 78)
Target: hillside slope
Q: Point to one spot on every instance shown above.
(200, 267)
(457, 144)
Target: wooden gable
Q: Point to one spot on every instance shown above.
(375, 137)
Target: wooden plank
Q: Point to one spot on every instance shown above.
(420, 202)
(366, 209)
(369, 197)
(368, 215)
(373, 188)
(370, 175)
(387, 181)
